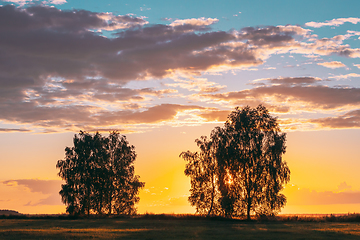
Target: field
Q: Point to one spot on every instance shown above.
(173, 228)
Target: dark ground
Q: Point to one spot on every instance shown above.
(160, 227)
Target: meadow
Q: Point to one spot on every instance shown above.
(164, 227)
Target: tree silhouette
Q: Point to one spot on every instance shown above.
(99, 175)
(201, 167)
(247, 157)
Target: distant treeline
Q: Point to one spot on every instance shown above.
(351, 217)
(9, 212)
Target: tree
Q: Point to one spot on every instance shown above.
(247, 155)
(99, 175)
(201, 167)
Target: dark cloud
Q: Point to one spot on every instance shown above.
(270, 36)
(13, 130)
(348, 120)
(48, 56)
(294, 80)
(43, 41)
(43, 17)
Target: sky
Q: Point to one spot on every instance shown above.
(164, 73)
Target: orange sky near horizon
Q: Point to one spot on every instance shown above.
(320, 177)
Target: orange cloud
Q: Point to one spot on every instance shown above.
(357, 65)
(333, 64)
(215, 115)
(195, 21)
(348, 120)
(49, 188)
(304, 196)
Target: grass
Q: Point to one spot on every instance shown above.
(172, 227)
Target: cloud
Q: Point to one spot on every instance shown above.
(357, 65)
(23, 2)
(120, 22)
(304, 196)
(144, 9)
(57, 1)
(195, 22)
(36, 185)
(159, 113)
(327, 46)
(215, 115)
(346, 76)
(50, 188)
(348, 120)
(67, 68)
(333, 64)
(75, 117)
(196, 84)
(291, 91)
(344, 186)
(14, 130)
(271, 36)
(53, 199)
(107, 130)
(334, 22)
(59, 70)
(293, 80)
(37, 18)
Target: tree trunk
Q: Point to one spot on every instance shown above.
(248, 209)
(212, 197)
(110, 200)
(248, 213)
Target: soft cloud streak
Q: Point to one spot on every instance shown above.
(195, 21)
(334, 22)
(50, 188)
(333, 64)
(304, 196)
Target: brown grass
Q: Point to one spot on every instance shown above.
(150, 226)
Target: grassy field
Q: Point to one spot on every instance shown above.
(152, 228)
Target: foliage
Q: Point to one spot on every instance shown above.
(244, 160)
(201, 167)
(99, 175)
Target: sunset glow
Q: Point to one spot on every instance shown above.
(164, 73)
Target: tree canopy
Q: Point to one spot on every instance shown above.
(239, 170)
(99, 175)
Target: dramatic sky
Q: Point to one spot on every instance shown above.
(167, 72)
